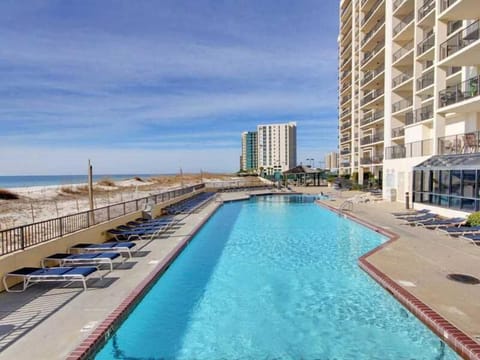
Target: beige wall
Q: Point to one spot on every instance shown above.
(32, 256)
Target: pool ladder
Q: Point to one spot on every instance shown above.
(347, 205)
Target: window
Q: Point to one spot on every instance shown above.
(444, 182)
(469, 183)
(456, 178)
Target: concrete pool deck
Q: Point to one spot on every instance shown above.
(49, 322)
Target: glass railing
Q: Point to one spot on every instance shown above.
(400, 79)
(426, 44)
(460, 40)
(345, 152)
(372, 53)
(397, 3)
(459, 144)
(372, 95)
(398, 131)
(425, 81)
(370, 139)
(368, 160)
(418, 115)
(369, 14)
(446, 4)
(462, 91)
(372, 74)
(453, 70)
(377, 26)
(407, 19)
(413, 149)
(402, 51)
(345, 139)
(427, 6)
(371, 117)
(400, 105)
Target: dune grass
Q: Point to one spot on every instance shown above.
(8, 195)
(106, 182)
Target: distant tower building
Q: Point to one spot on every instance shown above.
(331, 161)
(277, 147)
(249, 158)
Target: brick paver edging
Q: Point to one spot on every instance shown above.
(463, 344)
(102, 332)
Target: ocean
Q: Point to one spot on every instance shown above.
(44, 180)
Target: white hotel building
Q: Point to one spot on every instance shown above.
(409, 101)
(277, 147)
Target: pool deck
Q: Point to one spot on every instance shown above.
(50, 322)
(416, 263)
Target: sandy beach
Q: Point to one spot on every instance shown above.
(38, 203)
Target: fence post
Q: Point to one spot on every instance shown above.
(124, 208)
(60, 225)
(108, 212)
(88, 218)
(22, 237)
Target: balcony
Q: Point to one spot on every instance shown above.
(459, 10)
(426, 44)
(346, 112)
(397, 3)
(369, 35)
(413, 149)
(422, 114)
(398, 132)
(463, 94)
(346, 125)
(406, 20)
(345, 98)
(401, 105)
(400, 79)
(459, 144)
(345, 139)
(425, 81)
(368, 160)
(369, 14)
(345, 152)
(371, 139)
(370, 75)
(371, 96)
(397, 55)
(372, 117)
(369, 55)
(462, 48)
(425, 9)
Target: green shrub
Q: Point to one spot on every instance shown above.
(7, 195)
(474, 219)
(355, 177)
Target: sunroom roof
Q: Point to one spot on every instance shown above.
(451, 162)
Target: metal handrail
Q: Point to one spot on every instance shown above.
(22, 237)
(372, 117)
(464, 90)
(369, 14)
(460, 40)
(377, 26)
(426, 80)
(400, 79)
(407, 19)
(370, 75)
(426, 44)
(372, 53)
(400, 105)
(446, 4)
(402, 51)
(427, 6)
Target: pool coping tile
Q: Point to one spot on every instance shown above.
(100, 335)
(460, 342)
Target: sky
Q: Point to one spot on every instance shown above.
(152, 86)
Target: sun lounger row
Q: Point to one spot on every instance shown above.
(190, 205)
(429, 220)
(142, 229)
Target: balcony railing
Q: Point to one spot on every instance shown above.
(402, 51)
(346, 98)
(453, 70)
(345, 112)
(372, 74)
(345, 139)
(462, 91)
(369, 14)
(426, 44)
(428, 5)
(418, 115)
(377, 26)
(345, 152)
(371, 117)
(397, 80)
(459, 144)
(371, 160)
(397, 3)
(446, 4)
(460, 40)
(346, 125)
(372, 53)
(425, 81)
(372, 95)
(413, 149)
(398, 131)
(400, 105)
(370, 139)
(407, 19)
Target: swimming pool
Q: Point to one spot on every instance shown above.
(273, 278)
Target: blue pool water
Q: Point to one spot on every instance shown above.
(273, 279)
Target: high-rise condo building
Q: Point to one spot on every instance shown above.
(277, 147)
(409, 101)
(249, 156)
(331, 161)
